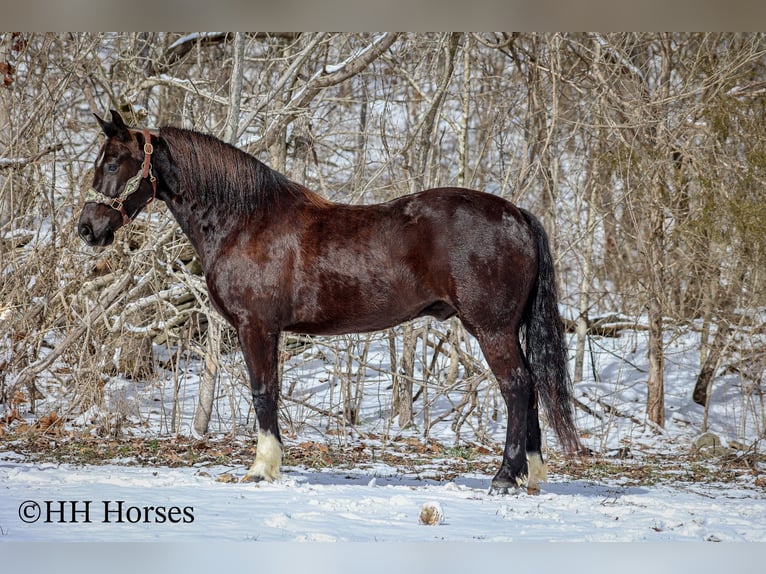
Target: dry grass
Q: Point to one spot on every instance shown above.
(427, 459)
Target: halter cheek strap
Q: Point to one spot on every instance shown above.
(131, 186)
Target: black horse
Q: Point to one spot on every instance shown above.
(278, 257)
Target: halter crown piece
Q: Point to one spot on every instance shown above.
(131, 186)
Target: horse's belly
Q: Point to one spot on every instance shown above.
(366, 316)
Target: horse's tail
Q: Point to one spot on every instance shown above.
(546, 348)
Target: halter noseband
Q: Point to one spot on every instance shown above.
(131, 186)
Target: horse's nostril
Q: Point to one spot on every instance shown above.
(85, 231)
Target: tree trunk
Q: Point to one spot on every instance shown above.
(585, 287)
(209, 378)
(655, 399)
(302, 148)
(725, 300)
(404, 380)
(419, 179)
(653, 262)
(655, 250)
(654, 257)
(710, 364)
(231, 130)
(210, 374)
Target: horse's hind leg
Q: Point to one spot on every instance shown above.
(535, 463)
(260, 350)
(504, 357)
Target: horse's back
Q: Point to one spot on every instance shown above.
(465, 214)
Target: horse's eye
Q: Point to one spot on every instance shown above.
(112, 167)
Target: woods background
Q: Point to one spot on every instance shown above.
(643, 154)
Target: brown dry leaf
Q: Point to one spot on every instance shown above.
(311, 447)
(18, 398)
(175, 458)
(11, 416)
(226, 478)
(51, 423)
(102, 267)
(18, 42)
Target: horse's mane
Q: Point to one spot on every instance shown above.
(219, 174)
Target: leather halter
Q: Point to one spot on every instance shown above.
(131, 186)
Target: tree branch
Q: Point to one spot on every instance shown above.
(19, 163)
(330, 76)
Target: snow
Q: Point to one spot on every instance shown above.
(348, 507)
(196, 36)
(377, 502)
(332, 68)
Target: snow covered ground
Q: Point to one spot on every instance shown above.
(377, 502)
(128, 503)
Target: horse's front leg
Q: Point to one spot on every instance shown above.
(260, 348)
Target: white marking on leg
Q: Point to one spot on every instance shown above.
(268, 457)
(538, 471)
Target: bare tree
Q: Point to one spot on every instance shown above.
(641, 151)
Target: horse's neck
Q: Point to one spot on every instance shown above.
(207, 230)
(205, 227)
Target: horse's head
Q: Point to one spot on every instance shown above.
(123, 183)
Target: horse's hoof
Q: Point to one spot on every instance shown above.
(505, 485)
(514, 490)
(252, 478)
(498, 490)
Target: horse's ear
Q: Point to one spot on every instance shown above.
(118, 122)
(106, 126)
(115, 127)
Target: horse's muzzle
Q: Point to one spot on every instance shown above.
(85, 231)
